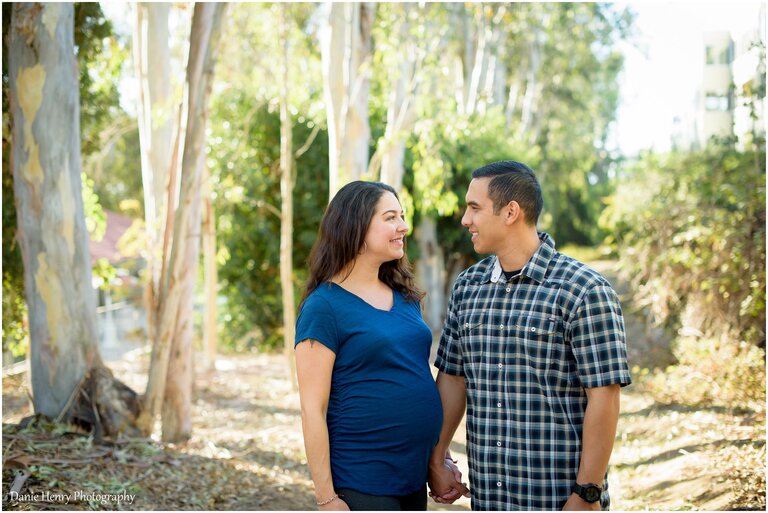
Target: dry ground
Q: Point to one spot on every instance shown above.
(247, 453)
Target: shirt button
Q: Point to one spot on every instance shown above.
(498, 483)
(500, 366)
(498, 444)
(533, 329)
(498, 404)
(501, 326)
(509, 289)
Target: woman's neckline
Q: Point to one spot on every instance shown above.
(391, 309)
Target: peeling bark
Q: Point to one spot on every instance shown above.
(45, 159)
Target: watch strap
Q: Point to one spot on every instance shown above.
(590, 492)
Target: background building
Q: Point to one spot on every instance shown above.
(715, 97)
(731, 98)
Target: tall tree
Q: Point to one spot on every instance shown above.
(286, 200)
(210, 275)
(346, 53)
(152, 62)
(69, 380)
(170, 377)
(406, 39)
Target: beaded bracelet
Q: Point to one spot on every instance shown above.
(328, 501)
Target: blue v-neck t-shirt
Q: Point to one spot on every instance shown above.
(384, 411)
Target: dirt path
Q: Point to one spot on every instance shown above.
(673, 457)
(247, 450)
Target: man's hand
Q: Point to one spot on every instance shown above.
(576, 503)
(445, 485)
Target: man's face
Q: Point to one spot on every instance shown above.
(487, 229)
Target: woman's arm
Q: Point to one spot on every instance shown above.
(444, 482)
(314, 366)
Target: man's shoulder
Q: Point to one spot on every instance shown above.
(577, 274)
(476, 272)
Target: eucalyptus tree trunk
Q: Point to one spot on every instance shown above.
(69, 380)
(486, 73)
(401, 112)
(210, 275)
(152, 63)
(346, 55)
(286, 205)
(170, 377)
(480, 64)
(431, 272)
(532, 88)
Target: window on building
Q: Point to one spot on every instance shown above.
(718, 54)
(718, 102)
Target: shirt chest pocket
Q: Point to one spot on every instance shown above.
(538, 340)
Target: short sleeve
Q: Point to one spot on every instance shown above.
(598, 339)
(317, 322)
(449, 359)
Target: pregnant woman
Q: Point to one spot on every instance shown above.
(371, 412)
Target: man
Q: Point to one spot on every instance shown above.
(533, 347)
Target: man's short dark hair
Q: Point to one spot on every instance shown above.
(513, 181)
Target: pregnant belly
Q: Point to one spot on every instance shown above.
(387, 417)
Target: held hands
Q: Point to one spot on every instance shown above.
(445, 485)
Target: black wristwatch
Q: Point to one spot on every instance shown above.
(589, 492)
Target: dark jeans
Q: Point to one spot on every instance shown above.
(357, 501)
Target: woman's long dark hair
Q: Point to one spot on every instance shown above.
(342, 234)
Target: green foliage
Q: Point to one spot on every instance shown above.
(95, 219)
(247, 204)
(244, 161)
(100, 59)
(15, 333)
(565, 141)
(440, 162)
(14, 306)
(690, 232)
(580, 68)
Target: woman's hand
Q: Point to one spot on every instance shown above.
(337, 504)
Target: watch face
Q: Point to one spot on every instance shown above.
(592, 494)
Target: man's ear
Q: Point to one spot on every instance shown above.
(512, 212)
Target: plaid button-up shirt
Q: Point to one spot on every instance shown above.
(527, 350)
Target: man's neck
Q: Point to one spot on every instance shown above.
(519, 251)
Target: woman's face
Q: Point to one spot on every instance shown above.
(385, 239)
